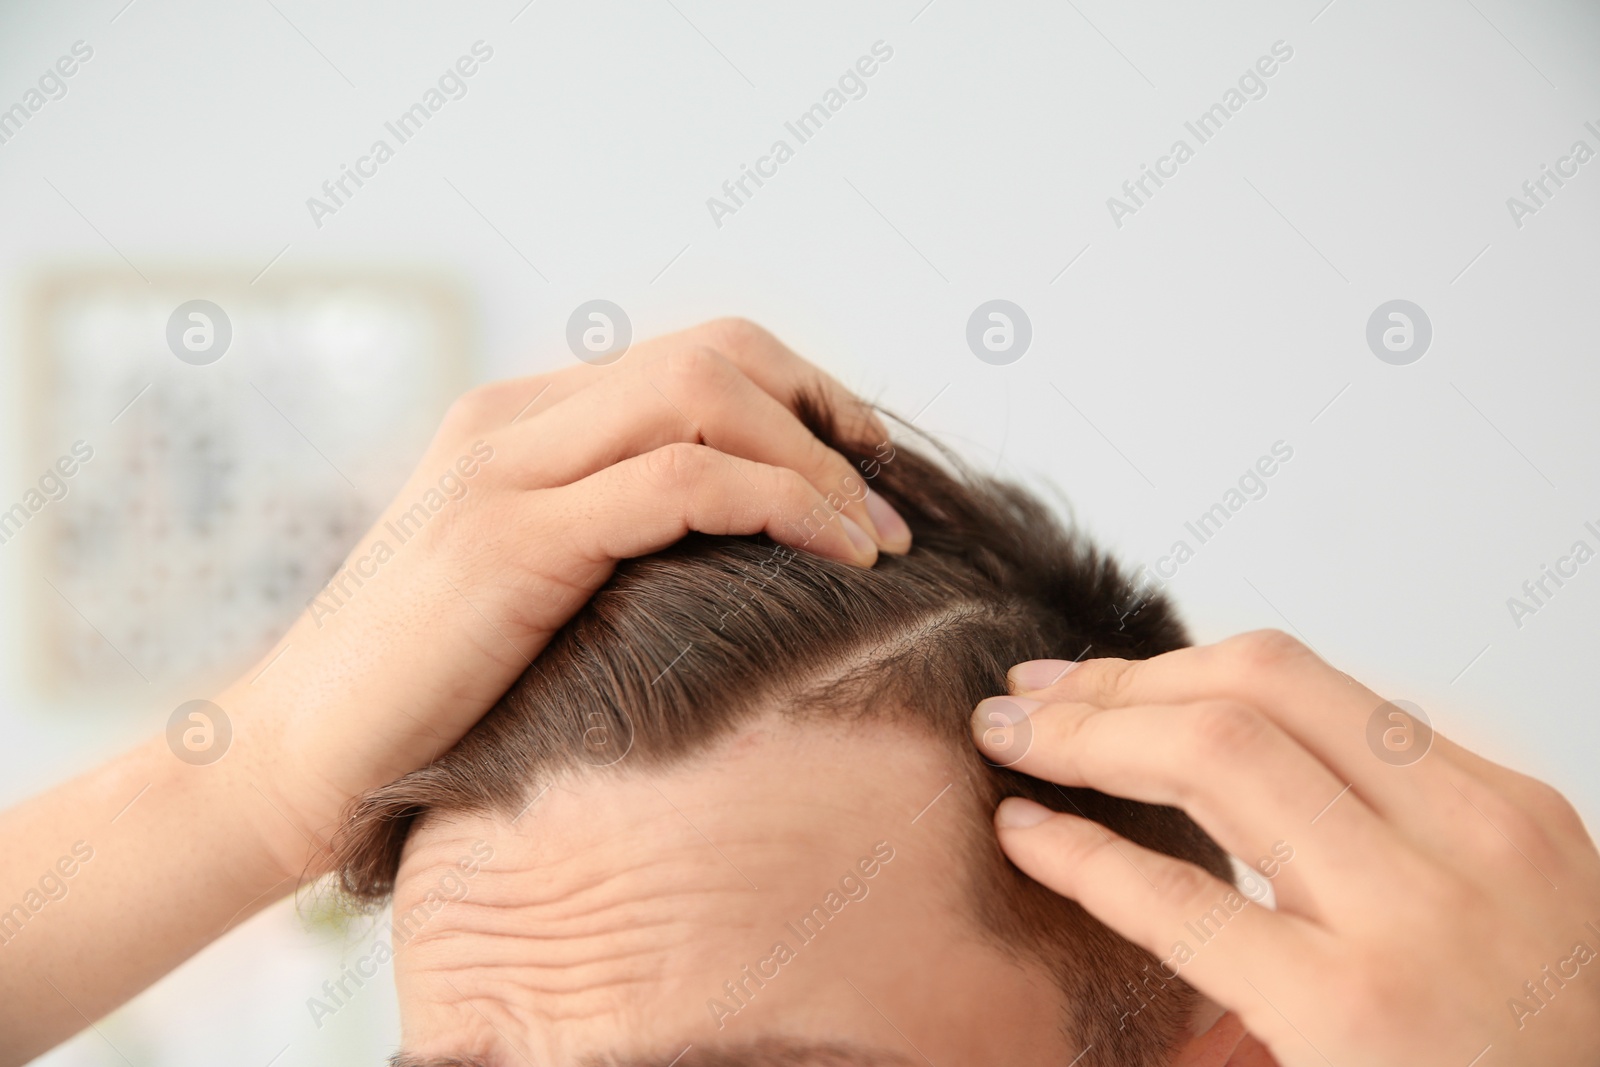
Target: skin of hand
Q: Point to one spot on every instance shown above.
(1438, 910)
(692, 431)
(529, 494)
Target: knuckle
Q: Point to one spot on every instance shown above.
(673, 466)
(1221, 730)
(839, 475)
(810, 513)
(792, 485)
(1514, 834)
(1114, 686)
(735, 334)
(691, 369)
(1520, 833)
(1266, 650)
(1080, 851)
(472, 408)
(1183, 884)
(1550, 807)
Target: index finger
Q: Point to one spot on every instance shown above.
(778, 370)
(1322, 708)
(1270, 664)
(764, 359)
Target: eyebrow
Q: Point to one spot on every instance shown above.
(764, 1052)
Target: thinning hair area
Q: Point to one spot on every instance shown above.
(683, 647)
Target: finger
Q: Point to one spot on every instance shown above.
(1323, 709)
(772, 365)
(1530, 837)
(1534, 797)
(1195, 925)
(693, 396)
(1276, 667)
(768, 362)
(1253, 788)
(646, 503)
(1343, 724)
(495, 405)
(785, 375)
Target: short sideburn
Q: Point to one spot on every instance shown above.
(682, 647)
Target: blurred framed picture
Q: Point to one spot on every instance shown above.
(208, 448)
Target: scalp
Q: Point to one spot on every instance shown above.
(682, 647)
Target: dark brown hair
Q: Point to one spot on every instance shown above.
(682, 647)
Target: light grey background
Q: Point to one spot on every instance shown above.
(1228, 314)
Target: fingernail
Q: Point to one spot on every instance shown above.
(1005, 711)
(893, 532)
(1019, 813)
(1003, 729)
(865, 546)
(1039, 673)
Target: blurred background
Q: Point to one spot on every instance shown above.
(1358, 265)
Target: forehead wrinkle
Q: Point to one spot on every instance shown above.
(558, 952)
(523, 1000)
(762, 1052)
(730, 805)
(592, 916)
(647, 927)
(766, 1052)
(641, 921)
(495, 1009)
(577, 908)
(543, 877)
(552, 905)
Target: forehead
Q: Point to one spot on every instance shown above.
(796, 883)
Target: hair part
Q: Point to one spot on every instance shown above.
(683, 647)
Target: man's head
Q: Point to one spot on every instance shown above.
(733, 813)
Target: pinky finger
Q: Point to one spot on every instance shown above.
(647, 502)
(1191, 921)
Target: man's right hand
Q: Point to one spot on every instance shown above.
(1435, 908)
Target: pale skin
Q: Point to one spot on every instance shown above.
(614, 911)
(1367, 958)
(692, 431)
(1417, 904)
(615, 908)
